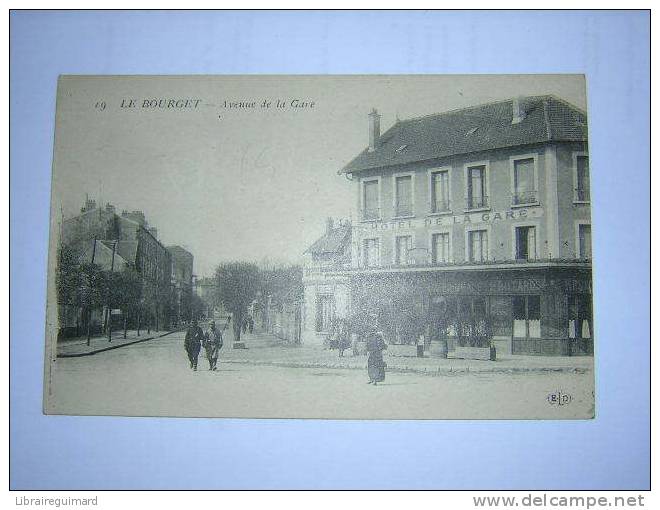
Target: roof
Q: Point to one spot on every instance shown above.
(102, 253)
(332, 242)
(474, 129)
(179, 251)
(128, 250)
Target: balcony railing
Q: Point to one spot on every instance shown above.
(441, 206)
(370, 214)
(451, 265)
(582, 195)
(524, 197)
(479, 202)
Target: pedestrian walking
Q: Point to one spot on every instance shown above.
(212, 345)
(375, 346)
(193, 343)
(333, 341)
(343, 337)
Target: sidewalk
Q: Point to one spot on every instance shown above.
(74, 347)
(266, 349)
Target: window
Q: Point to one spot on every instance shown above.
(440, 248)
(440, 191)
(325, 312)
(527, 316)
(370, 200)
(371, 252)
(477, 245)
(584, 240)
(524, 181)
(525, 243)
(476, 187)
(579, 316)
(403, 245)
(582, 178)
(403, 196)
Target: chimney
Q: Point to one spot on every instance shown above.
(90, 204)
(374, 130)
(329, 224)
(518, 110)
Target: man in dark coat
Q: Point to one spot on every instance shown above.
(193, 343)
(213, 344)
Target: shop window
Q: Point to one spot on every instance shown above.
(472, 324)
(451, 311)
(403, 245)
(526, 312)
(500, 315)
(525, 243)
(579, 316)
(325, 311)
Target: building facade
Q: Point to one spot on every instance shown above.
(182, 283)
(115, 242)
(482, 212)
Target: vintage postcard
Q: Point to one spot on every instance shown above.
(343, 247)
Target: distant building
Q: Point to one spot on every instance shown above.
(205, 289)
(182, 281)
(326, 298)
(482, 212)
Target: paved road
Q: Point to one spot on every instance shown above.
(154, 379)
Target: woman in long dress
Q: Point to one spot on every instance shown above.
(375, 363)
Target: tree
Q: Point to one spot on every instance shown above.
(280, 282)
(197, 306)
(91, 291)
(111, 292)
(129, 292)
(237, 284)
(68, 281)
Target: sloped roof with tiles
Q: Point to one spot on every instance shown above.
(474, 129)
(332, 242)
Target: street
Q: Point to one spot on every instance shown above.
(154, 379)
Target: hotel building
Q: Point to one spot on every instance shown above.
(485, 210)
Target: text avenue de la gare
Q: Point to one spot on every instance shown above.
(194, 103)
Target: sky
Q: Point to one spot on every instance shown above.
(240, 183)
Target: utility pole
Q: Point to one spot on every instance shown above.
(112, 269)
(89, 304)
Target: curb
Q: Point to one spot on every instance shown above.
(423, 371)
(117, 346)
